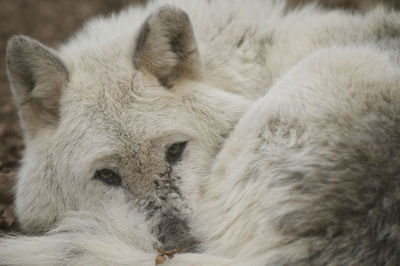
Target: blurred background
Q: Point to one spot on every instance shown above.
(51, 22)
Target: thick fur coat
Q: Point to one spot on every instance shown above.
(245, 133)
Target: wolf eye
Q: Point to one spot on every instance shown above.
(108, 177)
(175, 151)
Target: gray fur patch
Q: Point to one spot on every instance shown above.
(352, 201)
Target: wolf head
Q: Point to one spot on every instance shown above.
(133, 118)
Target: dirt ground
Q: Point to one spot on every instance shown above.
(51, 22)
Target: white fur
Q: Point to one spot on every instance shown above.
(114, 116)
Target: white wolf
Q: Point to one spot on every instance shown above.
(124, 122)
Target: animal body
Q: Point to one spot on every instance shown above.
(133, 140)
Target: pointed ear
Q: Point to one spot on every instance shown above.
(37, 76)
(166, 46)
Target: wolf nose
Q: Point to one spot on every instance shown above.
(188, 245)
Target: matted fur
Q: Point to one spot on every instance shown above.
(308, 176)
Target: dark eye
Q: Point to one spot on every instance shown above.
(108, 177)
(175, 151)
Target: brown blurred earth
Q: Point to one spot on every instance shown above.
(51, 22)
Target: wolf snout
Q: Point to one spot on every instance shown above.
(174, 232)
(189, 245)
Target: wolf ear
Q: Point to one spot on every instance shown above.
(166, 46)
(37, 76)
